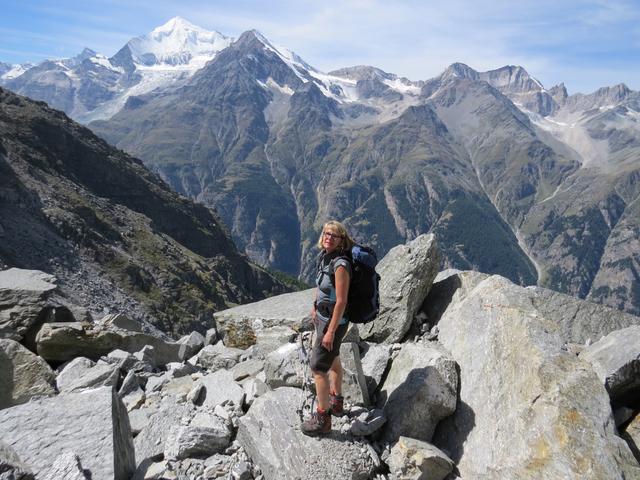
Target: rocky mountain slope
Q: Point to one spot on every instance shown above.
(471, 376)
(533, 184)
(113, 233)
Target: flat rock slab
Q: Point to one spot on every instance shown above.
(93, 424)
(407, 273)
(270, 433)
(413, 459)
(220, 388)
(527, 407)
(616, 360)
(11, 467)
(22, 375)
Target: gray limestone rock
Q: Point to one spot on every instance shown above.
(527, 408)
(248, 368)
(253, 388)
(211, 337)
(98, 375)
(419, 391)
(413, 459)
(92, 423)
(23, 375)
(221, 388)
(375, 359)
(215, 357)
(354, 384)
(407, 273)
(283, 367)
(71, 370)
(23, 295)
(191, 344)
(60, 342)
(267, 323)
(11, 467)
(66, 467)
(631, 434)
(205, 435)
(150, 442)
(368, 422)
(616, 360)
(285, 453)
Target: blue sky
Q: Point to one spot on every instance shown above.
(585, 44)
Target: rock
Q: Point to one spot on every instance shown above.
(138, 419)
(59, 342)
(215, 357)
(23, 375)
(150, 442)
(375, 360)
(219, 388)
(616, 360)
(449, 286)
(413, 459)
(176, 370)
(622, 415)
(23, 296)
(249, 368)
(127, 361)
(211, 337)
(419, 391)
(354, 384)
(131, 392)
(92, 423)
(190, 345)
(241, 471)
(253, 388)
(631, 434)
(284, 453)
(268, 322)
(118, 321)
(178, 387)
(11, 467)
(283, 367)
(68, 467)
(155, 382)
(407, 273)
(99, 375)
(206, 435)
(70, 371)
(368, 423)
(527, 408)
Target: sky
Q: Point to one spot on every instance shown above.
(586, 44)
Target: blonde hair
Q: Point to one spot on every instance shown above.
(340, 229)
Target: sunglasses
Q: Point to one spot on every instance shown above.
(332, 236)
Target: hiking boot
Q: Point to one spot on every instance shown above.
(336, 405)
(318, 424)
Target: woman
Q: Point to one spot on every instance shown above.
(333, 276)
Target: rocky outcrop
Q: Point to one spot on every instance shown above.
(527, 408)
(407, 273)
(93, 424)
(22, 375)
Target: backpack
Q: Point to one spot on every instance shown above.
(363, 302)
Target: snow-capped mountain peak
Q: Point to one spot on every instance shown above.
(177, 42)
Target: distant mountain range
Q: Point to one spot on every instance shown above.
(532, 183)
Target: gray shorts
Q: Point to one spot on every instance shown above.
(321, 358)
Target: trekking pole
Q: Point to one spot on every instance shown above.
(303, 355)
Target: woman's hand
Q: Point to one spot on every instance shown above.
(327, 340)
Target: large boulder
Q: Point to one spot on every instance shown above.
(93, 424)
(407, 273)
(205, 435)
(285, 453)
(527, 407)
(100, 375)
(268, 323)
(616, 360)
(375, 359)
(23, 296)
(59, 342)
(419, 391)
(631, 434)
(23, 375)
(283, 367)
(215, 357)
(220, 388)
